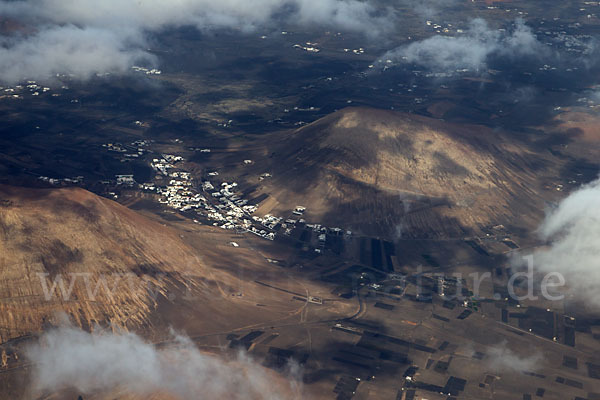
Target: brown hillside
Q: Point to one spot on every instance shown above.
(203, 288)
(375, 170)
(127, 270)
(59, 233)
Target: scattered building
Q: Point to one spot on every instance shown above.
(147, 71)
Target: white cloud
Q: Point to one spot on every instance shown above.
(470, 50)
(71, 358)
(69, 49)
(501, 358)
(573, 232)
(83, 37)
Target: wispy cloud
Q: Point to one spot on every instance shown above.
(85, 37)
(431, 8)
(469, 50)
(70, 358)
(572, 230)
(500, 358)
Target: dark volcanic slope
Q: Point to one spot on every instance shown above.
(375, 170)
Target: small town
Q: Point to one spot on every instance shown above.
(219, 202)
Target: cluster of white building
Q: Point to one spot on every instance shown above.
(234, 213)
(163, 165)
(439, 28)
(180, 194)
(146, 71)
(16, 91)
(231, 211)
(222, 203)
(59, 181)
(35, 89)
(133, 150)
(310, 47)
(264, 176)
(358, 51)
(116, 147)
(200, 149)
(126, 180)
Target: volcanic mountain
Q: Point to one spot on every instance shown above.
(379, 171)
(71, 236)
(68, 250)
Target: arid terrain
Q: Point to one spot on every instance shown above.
(372, 170)
(269, 200)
